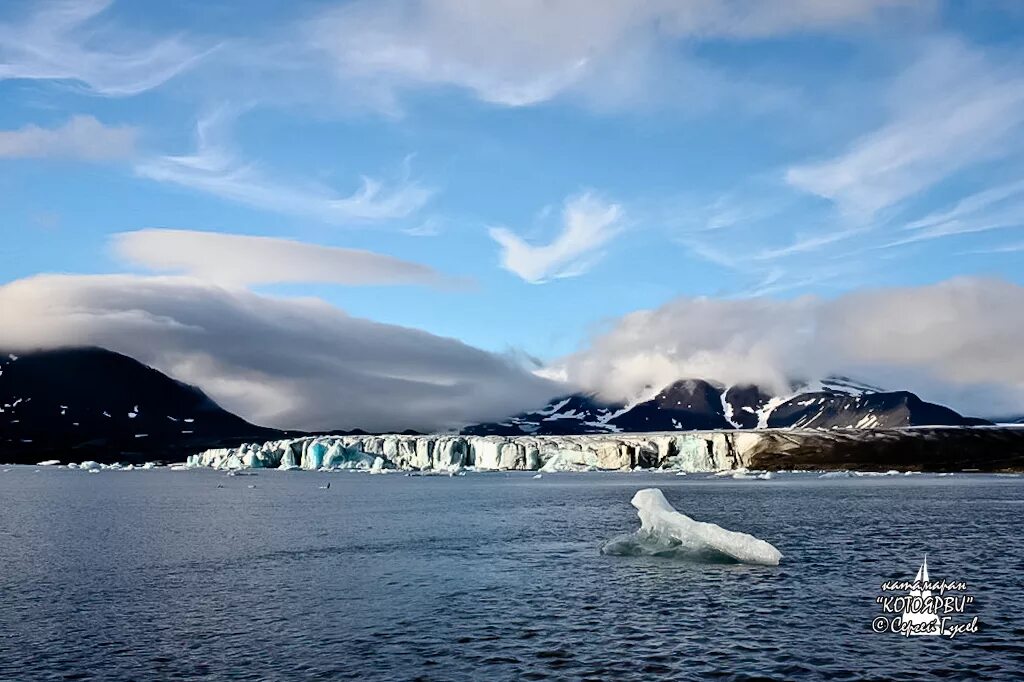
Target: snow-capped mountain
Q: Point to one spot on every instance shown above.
(89, 403)
(695, 404)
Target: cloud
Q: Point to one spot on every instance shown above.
(523, 52)
(950, 110)
(994, 208)
(956, 342)
(215, 170)
(589, 223)
(65, 40)
(292, 363)
(242, 260)
(82, 137)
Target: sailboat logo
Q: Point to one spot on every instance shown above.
(924, 606)
(923, 620)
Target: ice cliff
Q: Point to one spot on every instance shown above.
(689, 452)
(666, 532)
(930, 449)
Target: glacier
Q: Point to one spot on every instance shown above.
(453, 453)
(668, 533)
(736, 451)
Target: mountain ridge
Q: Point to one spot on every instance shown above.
(92, 403)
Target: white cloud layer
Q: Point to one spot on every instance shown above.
(82, 137)
(956, 342)
(243, 260)
(67, 40)
(279, 362)
(589, 223)
(522, 52)
(215, 170)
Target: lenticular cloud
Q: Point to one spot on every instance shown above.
(289, 363)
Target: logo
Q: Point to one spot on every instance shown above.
(928, 607)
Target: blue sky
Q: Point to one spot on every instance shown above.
(555, 166)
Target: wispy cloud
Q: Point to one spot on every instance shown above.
(995, 208)
(213, 168)
(523, 52)
(588, 223)
(81, 137)
(243, 260)
(951, 110)
(67, 40)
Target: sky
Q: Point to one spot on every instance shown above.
(516, 193)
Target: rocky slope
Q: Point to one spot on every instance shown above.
(90, 403)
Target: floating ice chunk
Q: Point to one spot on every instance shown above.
(666, 532)
(538, 476)
(90, 465)
(836, 474)
(49, 463)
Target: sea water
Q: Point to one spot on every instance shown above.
(196, 575)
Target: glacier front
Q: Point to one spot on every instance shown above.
(668, 533)
(931, 449)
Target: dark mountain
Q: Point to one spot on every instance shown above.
(694, 404)
(568, 415)
(89, 403)
(687, 405)
(744, 405)
(866, 411)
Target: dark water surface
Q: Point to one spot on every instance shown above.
(163, 575)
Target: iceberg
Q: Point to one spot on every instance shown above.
(668, 533)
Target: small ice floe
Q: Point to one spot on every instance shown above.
(539, 476)
(326, 487)
(753, 476)
(836, 474)
(251, 487)
(667, 533)
(680, 473)
(90, 465)
(49, 463)
(94, 471)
